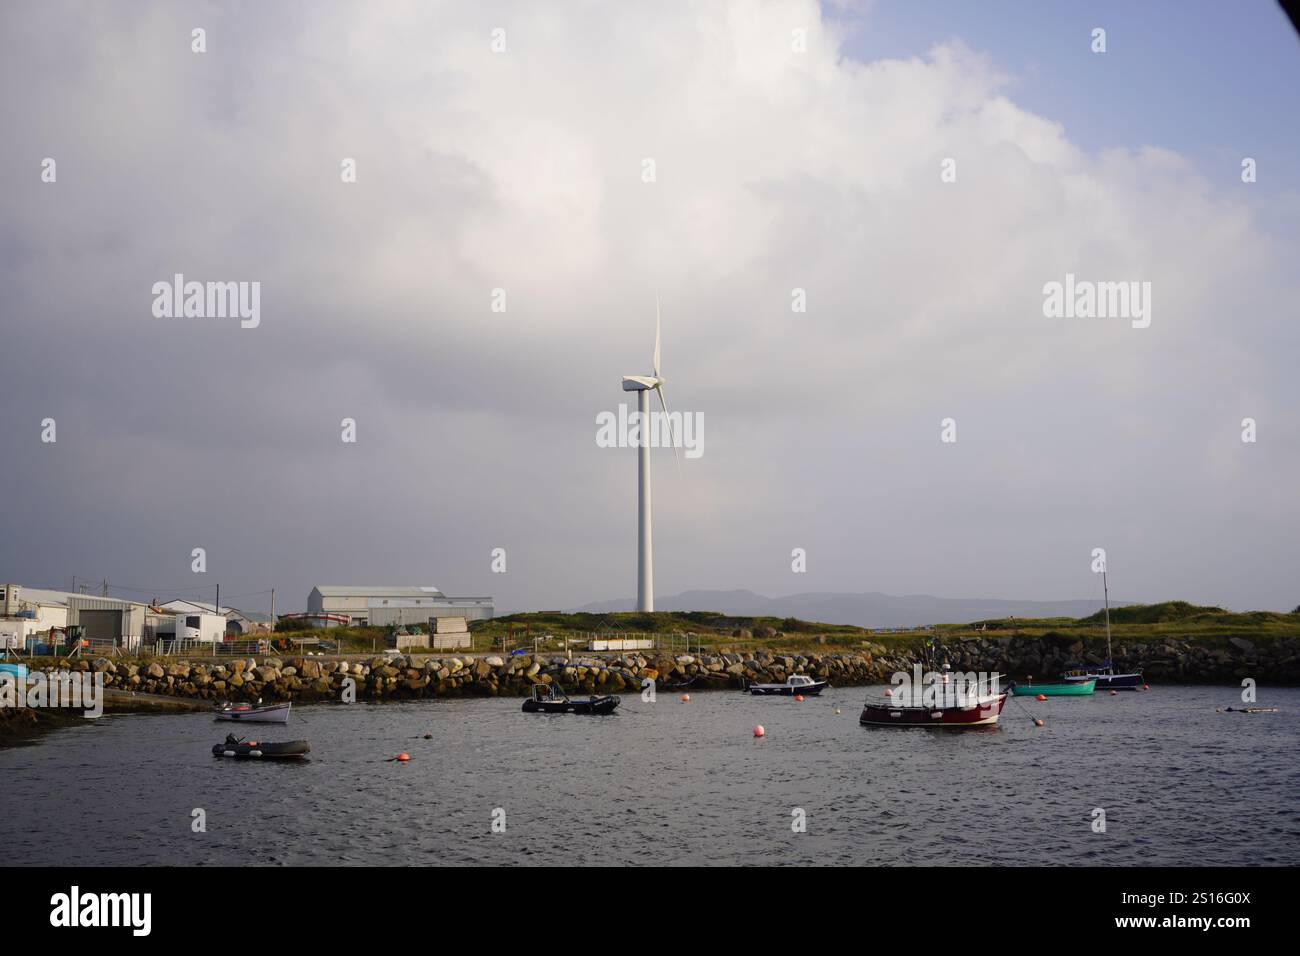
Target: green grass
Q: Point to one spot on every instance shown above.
(677, 630)
(1152, 623)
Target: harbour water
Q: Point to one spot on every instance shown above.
(673, 782)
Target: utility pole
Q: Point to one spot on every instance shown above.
(104, 592)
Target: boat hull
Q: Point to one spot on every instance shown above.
(591, 705)
(984, 714)
(257, 750)
(788, 690)
(1081, 688)
(1108, 681)
(272, 714)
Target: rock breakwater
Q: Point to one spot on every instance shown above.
(1173, 660)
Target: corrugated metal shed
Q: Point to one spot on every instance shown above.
(131, 616)
(384, 605)
(412, 591)
(472, 609)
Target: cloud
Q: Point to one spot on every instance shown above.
(522, 170)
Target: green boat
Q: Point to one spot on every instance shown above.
(1078, 689)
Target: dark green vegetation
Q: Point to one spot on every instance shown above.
(1143, 622)
(548, 630)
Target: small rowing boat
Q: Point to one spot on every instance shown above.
(253, 749)
(255, 713)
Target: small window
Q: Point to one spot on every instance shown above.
(192, 621)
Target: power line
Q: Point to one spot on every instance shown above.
(127, 587)
(174, 593)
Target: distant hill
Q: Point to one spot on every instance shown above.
(862, 610)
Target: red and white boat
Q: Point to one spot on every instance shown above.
(941, 707)
(258, 713)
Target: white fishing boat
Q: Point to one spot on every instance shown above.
(258, 713)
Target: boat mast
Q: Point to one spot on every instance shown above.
(1110, 664)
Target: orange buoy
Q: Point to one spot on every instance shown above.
(428, 736)
(889, 692)
(1041, 697)
(1114, 693)
(1038, 722)
(759, 731)
(798, 696)
(403, 757)
(685, 698)
(1146, 686)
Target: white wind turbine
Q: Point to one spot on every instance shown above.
(644, 385)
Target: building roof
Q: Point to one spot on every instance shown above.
(42, 596)
(338, 590)
(206, 607)
(180, 604)
(50, 598)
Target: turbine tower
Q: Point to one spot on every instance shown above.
(644, 385)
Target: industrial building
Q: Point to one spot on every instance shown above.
(383, 606)
(30, 614)
(238, 622)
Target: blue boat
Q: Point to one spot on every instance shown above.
(794, 685)
(1105, 676)
(1107, 679)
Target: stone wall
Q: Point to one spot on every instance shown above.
(1178, 660)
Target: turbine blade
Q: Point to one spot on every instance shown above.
(656, 361)
(672, 435)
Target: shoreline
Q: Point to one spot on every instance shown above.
(153, 685)
(25, 726)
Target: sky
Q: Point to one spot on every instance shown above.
(921, 171)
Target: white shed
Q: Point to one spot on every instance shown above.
(200, 628)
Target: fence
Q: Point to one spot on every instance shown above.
(170, 648)
(603, 642)
(85, 647)
(162, 647)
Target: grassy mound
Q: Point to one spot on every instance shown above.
(1163, 613)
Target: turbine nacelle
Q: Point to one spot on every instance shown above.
(641, 383)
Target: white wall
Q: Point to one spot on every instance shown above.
(211, 629)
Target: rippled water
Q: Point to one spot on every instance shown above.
(673, 782)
